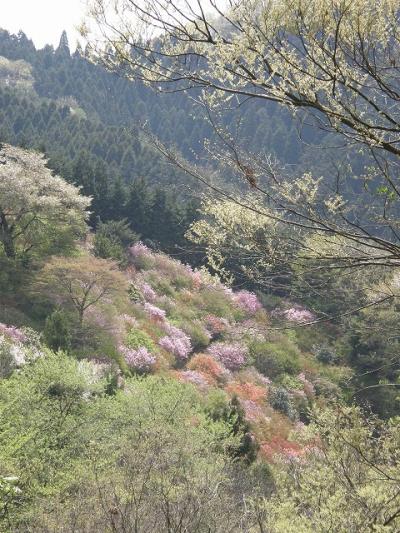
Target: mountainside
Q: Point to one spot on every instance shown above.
(182, 323)
(199, 310)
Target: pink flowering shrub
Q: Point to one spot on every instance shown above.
(298, 314)
(247, 301)
(252, 410)
(309, 389)
(13, 333)
(141, 256)
(196, 277)
(154, 312)
(149, 294)
(140, 359)
(129, 321)
(216, 325)
(176, 342)
(233, 356)
(194, 377)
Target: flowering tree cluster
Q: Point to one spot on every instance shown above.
(154, 312)
(140, 359)
(298, 314)
(37, 209)
(233, 356)
(176, 342)
(247, 301)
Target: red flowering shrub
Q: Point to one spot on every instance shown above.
(207, 365)
(247, 391)
(216, 325)
(281, 448)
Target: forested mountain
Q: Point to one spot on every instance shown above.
(73, 81)
(87, 121)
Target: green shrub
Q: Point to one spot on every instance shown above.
(279, 399)
(161, 284)
(217, 303)
(7, 363)
(326, 355)
(275, 358)
(137, 338)
(199, 336)
(57, 331)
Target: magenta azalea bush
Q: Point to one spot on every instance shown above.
(140, 359)
(154, 312)
(232, 356)
(176, 342)
(141, 256)
(247, 301)
(139, 250)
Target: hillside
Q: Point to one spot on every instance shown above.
(199, 271)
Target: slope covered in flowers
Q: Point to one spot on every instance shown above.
(183, 323)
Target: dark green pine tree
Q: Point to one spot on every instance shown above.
(139, 206)
(117, 200)
(63, 47)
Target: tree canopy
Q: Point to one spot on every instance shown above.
(38, 210)
(333, 64)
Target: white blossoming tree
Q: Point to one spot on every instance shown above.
(39, 212)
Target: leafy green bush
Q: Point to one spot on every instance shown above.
(137, 338)
(79, 454)
(325, 354)
(215, 302)
(279, 399)
(111, 240)
(57, 331)
(275, 358)
(198, 335)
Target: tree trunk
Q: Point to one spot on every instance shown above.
(6, 237)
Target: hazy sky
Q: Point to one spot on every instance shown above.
(42, 20)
